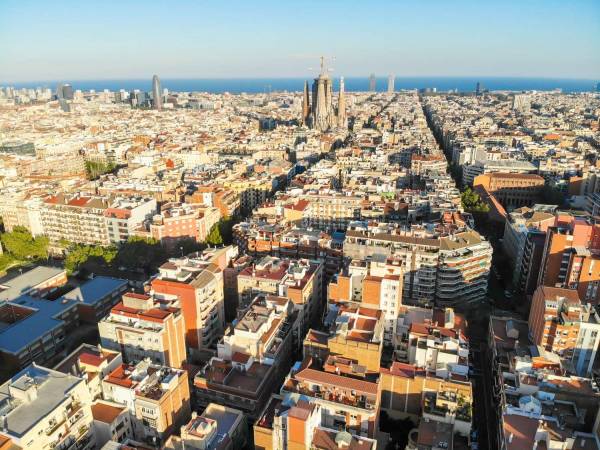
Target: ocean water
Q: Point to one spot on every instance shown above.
(258, 85)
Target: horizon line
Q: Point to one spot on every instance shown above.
(296, 77)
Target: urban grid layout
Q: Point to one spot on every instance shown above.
(318, 269)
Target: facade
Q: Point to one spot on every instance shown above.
(43, 408)
(444, 269)
(158, 397)
(198, 283)
(181, 221)
(570, 257)
(561, 324)
(512, 190)
(141, 327)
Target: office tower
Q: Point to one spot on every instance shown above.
(598, 87)
(67, 92)
(390, 88)
(156, 93)
(372, 83)
(64, 91)
(478, 88)
(322, 108)
(306, 106)
(341, 113)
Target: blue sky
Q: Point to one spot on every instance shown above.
(88, 39)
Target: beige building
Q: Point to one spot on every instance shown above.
(158, 397)
(45, 409)
(143, 327)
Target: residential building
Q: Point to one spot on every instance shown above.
(141, 326)
(253, 357)
(198, 284)
(561, 324)
(43, 408)
(217, 428)
(158, 398)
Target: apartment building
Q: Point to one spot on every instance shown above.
(93, 220)
(409, 391)
(287, 241)
(75, 218)
(537, 398)
(346, 402)
(354, 340)
(198, 283)
(112, 422)
(570, 257)
(141, 326)
(45, 409)
(441, 268)
(374, 284)
(158, 397)
(252, 358)
(218, 427)
(299, 280)
(92, 363)
(290, 422)
(125, 214)
(512, 190)
(440, 350)
(178, 221)
(225, 200)
(561, 324)
(522, 231)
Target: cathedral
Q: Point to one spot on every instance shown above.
(320, 114)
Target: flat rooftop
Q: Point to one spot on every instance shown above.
(52, 389)
(22, 284)
(95, 290)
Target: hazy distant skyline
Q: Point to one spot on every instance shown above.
(236, 39)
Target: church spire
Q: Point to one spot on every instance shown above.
(305, 105)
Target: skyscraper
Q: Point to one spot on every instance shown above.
(390, 89)
(323, 116)
(372, 83)
(341, 112)
(156, 93)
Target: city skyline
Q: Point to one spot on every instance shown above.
(238, 41)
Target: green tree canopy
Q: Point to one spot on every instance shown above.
(96, 168)
(472, 202)
(20, 244)
(139, 252)
(214, 237)
(79, 256)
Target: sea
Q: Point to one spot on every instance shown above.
(268, 85)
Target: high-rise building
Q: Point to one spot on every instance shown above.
(323, 116)
(156, 93)
(372, 83)
(478, 88)
(391, 80)
(342, 122)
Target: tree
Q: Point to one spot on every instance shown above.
(214, 237)
(87, 256)
(141, 253)
(472, 202)
(20, 244)
(96, 168)
(552, 196)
